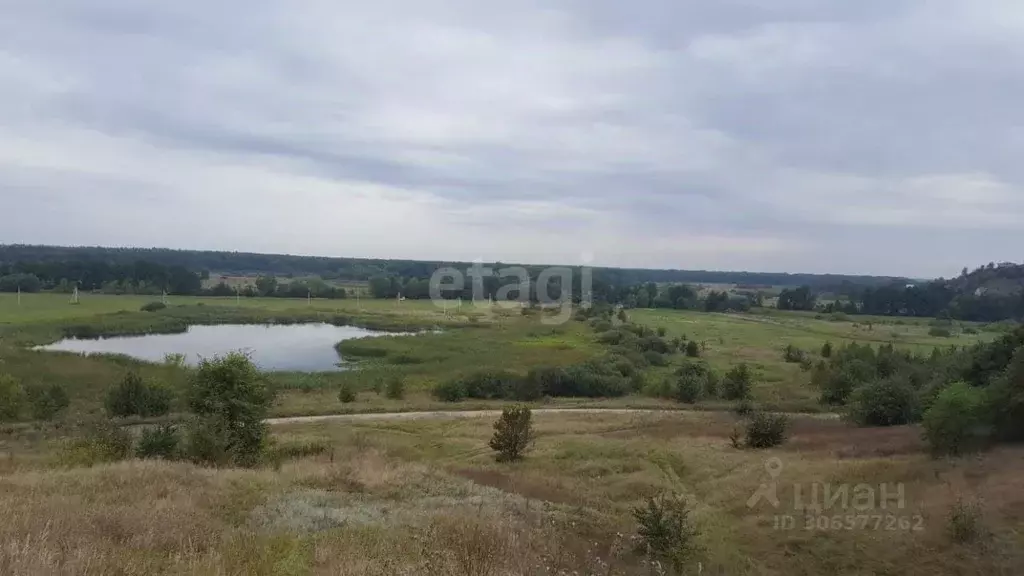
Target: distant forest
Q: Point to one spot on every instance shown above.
(989, 293)
(365, 269)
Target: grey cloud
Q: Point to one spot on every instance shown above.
(817, 134)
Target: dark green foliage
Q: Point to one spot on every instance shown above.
(12, 398)
(956, 422)
(989, 360)
(692, 349)
(231, 398)
(1006, 400)
(826, 350)
(153, 306)
(884, 402)
(940, 332)
(394, 389)
(737, 383)
(665, 532)
(794, 355)
(208, 442)
(695, 380)
(655, 359)
(796, 299)
(766, 430)
(97, 442)
(46, 402)
(134, 397)
(346, 394)
(662, 331)
(450, 391)
(600, 325)
(24, 282)
(159, 442)
(513, 433)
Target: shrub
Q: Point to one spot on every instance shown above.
(655, 359)
(826, 350)
(954, 424)
(231, 398)
(689, 389)
(513, 433)
(662, 331)
(133, 397)
(395, 388)
(346, 394)
(737, 383)
(793, 355)
(12, 398)
(884, 402)
(174, 359)
(963, 523)
(765, 430)
(692, 349)
(46, 402)
(622, 315)
(96, 443)
(652, 343)
(153, 306)
(1006, 399)
(450, 391)
(665, 532)
(940, 332)
(207, 443)
(600, 325)
(490, 384)
(743, 407)
(159, 442)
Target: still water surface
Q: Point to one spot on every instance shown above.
(295, 347)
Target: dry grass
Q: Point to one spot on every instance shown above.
(426, 497)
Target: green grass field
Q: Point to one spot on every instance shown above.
(477, 338)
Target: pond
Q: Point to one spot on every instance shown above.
(280, 347)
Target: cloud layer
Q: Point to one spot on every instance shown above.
(875, 137)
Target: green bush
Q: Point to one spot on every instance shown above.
(134, 397)
(346, 394)
(692, 349)
(207, 442)
(655, 359)
(826, 350)
(395, 388)
(46, 402)
(1006, 400)
(662, 331)
(450, 391)
(689, 389)
(737, 383)
(884, 402)
(513, 433)
(766, 430)
(793, 355)
(231, 398)
(955, 422)
(159, 442)
(665, 532)
(96, 443)
(12, 398)
(153, 306)
(940, 332)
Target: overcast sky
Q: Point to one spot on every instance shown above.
(877, 136)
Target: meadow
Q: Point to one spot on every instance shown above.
(424, 495)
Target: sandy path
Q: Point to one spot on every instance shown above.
(487, 413)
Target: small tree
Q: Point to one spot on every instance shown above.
(395, 388)
(665, 532)
(12, 398)
(826, 350)
(737, 383)
(766, 430)
(689, 389)
(955, 422)
(232, 398)
(134, 397)
(513, 433)
(692, 349)
(159, 442)
(886, 402)
(46, 402)
(346, 394)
